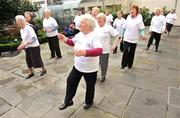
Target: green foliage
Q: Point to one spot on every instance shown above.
(39, 22)
(8, 39)
(146, 16)
(10, 43)
(9, 46)
(10, 8)
(165, 11)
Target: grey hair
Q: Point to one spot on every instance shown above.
(91, 21)
(101, 15)
(47, 10)
(21, 18)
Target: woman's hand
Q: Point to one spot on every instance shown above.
(79, 52)
(61, 37)
(22, 45)
(112, 48)
(143, 37)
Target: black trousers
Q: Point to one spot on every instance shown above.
(54, 46)
(157, 37)
(73, 81)
(169, 27)
(128, 54)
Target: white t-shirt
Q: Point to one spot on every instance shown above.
(132, 27)
(77, 21)
(104, 34)
(158, 24)
(86, 42)
(109, 19)
(27, 33)
(50, 23)
(118, 24)
(170, 18)
(138, 16)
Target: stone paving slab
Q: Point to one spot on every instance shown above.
(166, 77)
(15, 113)
(132, 77)
(173, 112)
(92, 113)
(130, 114)
(18, 92)
(174, 96)
(157, 88)
(8, 78)
(45, 82)
(148, 103)
(4, 106)
(116, 100)
(41, 103)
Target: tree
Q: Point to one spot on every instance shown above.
(10, 8)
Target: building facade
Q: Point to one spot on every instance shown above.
(150, 4)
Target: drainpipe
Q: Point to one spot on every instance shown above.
(176, 5)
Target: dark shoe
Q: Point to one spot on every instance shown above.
(87, 106)
(115, 51)
(122, 67)
(64, 106)
(43, 73)
(129, 67)
(156, 50)
(29, 76)
(59, 57)
(147, 49)
(103, 79)
(51, 57)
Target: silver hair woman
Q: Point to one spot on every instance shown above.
(50, 26)
(87, 49)
(30, 44)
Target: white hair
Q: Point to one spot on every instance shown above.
(47, 10)
(101, 15)
(21, 18)
(91, 21)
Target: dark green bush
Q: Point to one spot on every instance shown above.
(10, 43)
(146, 16)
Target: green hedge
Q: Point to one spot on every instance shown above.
(11, 44)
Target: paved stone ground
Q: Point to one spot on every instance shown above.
(149, 90)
